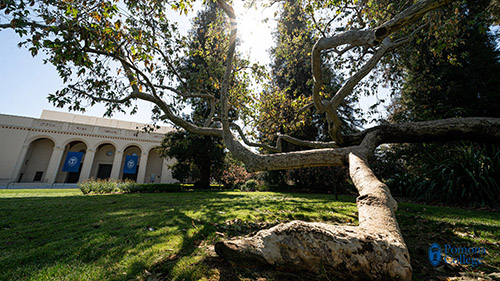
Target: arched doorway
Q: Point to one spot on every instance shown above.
(73, 176)
(37, 159)
(154, 167)
(103, 161)
(132, 150)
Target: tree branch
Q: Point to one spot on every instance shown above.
(311, 144)
(367, 38)
(211, 115)
(154, 98)
(473, 128)
(348, 86)
(21, 24)
(287, 138)
(170, 65)
(185, 95)
(277, 148)
(374, 250)
(133, 95)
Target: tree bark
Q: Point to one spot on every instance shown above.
(373, 250)
(204, 182)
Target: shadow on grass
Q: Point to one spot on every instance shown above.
(100, 232)
(118, 237)
(165, 235)
(423, 225)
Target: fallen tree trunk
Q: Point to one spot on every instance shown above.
(373, 250)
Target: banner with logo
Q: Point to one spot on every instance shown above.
(130, 166)
(72, 162)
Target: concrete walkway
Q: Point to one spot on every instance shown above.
(37, 185)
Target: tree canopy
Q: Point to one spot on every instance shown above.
(112, 53)
(198, 158)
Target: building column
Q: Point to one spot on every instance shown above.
(87, 165)
(143, 162)
(55, 161)
(117, 162)
(165, 171)
(19, 163)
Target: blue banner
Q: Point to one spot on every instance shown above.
(130, 166)
(72, 162)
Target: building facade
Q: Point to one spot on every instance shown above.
(41, 152)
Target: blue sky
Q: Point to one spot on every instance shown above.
(23, 79)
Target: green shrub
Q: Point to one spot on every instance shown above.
(100, 186)
(93, 186)
(153, 188)
(466, 174)
(263, 188)
(250, 185)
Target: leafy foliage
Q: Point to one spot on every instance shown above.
(323, 179)
(250, 185)
(290, 91)
(115, 53)
(199, 158)
(76, 35)
(234, 174)
(448, 71)
(152, 188)
(451, 79)
(102, 186)
(463, 174)
(99, 186)
(203, 68)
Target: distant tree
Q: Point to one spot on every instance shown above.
(290, 91)
(198, 158)
(290, 88)
(459, 79)
(201, 158)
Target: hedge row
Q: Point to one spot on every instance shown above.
(99, 186)
(113, 186)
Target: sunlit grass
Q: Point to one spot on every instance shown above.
(63, 235)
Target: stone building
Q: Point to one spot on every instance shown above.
(41, 152)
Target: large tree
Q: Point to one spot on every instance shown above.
(115, 55)
(198, 157)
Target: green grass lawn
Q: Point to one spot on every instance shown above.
(64, 235)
